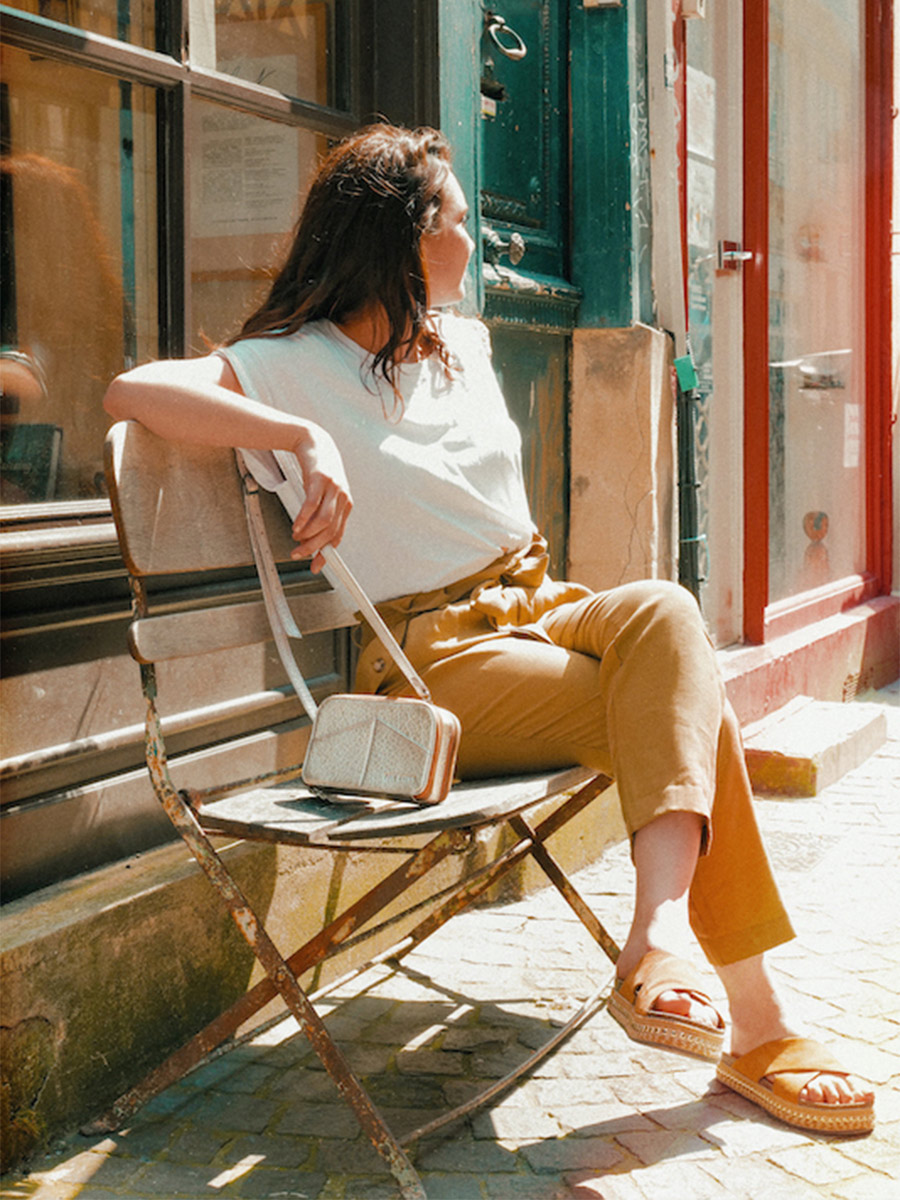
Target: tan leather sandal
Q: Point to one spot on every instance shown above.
(774, 1074)
(632, 1000)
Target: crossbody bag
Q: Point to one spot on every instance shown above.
(397, 748)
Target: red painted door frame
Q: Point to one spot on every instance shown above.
(762, 620)
(756, 319)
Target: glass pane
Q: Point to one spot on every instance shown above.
(816, 306)
(295, 46)
(131, 21)
(702, 180)
(248, 178)
(715, 307)
(79, 266)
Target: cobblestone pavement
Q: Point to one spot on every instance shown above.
(603, 1119)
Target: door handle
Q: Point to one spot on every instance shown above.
(494, 25)
(731, 255)
(494, 246)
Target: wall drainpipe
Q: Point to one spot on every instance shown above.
(689, 536)
(667, 102)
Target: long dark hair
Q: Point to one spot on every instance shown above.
(357, 243)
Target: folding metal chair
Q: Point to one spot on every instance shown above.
(179, 509)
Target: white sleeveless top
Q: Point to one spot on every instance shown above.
(438, 493)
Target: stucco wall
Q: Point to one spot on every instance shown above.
(623, 458)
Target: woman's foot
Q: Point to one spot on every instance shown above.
(680, 1002)
(758, 1016)
(778, 1076)
(665, 855)
(636, 1005)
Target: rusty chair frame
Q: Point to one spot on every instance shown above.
(154, 485)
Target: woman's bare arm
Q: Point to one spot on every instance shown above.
(200, 400)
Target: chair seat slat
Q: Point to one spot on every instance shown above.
(293, 811)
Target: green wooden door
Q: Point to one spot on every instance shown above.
(529, 302)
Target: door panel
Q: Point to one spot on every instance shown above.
(524, 128)
(532, 368)
(528, 301)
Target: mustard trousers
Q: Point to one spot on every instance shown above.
(545, 675)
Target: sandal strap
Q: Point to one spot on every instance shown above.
(792, 1062)
(659, 972)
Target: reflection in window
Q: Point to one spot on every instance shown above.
(79, 266)
(126, 20)
(816, 294)
(293, 46)
(248, 177)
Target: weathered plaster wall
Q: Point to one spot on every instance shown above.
(623, 458)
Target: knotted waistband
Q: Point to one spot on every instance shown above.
(513, 590)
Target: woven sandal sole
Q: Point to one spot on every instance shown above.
(668, 1032)
(821, 1118)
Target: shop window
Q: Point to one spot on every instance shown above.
(817, 229)
(145, 199)
(132, 21)
(787, 160)
(294, 46)
(79, 266)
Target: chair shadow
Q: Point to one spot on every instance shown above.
(420, 1047)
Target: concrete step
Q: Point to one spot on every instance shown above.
(809, 744)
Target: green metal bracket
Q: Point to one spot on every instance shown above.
(687, 375)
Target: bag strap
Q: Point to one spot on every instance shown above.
(278, 611)
(281, 620)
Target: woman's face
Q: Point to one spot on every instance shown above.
(446, 249)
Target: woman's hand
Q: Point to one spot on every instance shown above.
(327, 504)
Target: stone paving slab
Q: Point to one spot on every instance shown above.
(808, 744)
(604, 1118)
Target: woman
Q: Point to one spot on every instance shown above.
(348, 361)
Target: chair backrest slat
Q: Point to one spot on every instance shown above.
(225, 627)
(179, 507)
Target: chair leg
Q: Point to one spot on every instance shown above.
(311, 1023)
(592, 1005)
(177, 1065)
(285, 982)
(282, 974)
(569, 892)
(529, 841)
